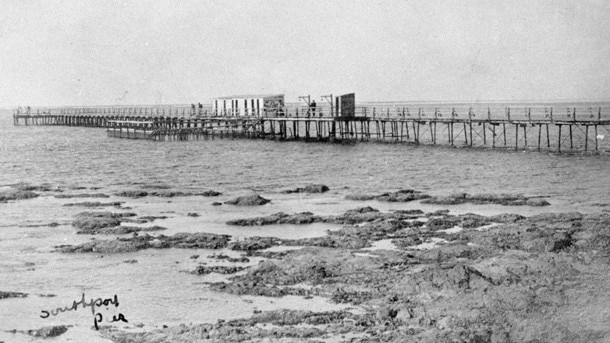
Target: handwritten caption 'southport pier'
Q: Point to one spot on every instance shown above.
(93, 303)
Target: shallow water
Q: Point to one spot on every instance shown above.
(158, 289)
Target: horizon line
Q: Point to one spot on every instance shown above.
(505, 101)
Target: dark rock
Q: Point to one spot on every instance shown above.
(360, 197)
(216, 203)
(203, 270)
(506, 218)
(278, 218)
(168, 194)
(193, 214)
(4, 295)
(200, 240)
(500, 199)
(94, 221)
(143, 219)
(313, 188)
(130, 261)
(48, 331)
(95, 204)
(348, 242)
(241, 259)
(155, 186)
(210, 193)
(122, 230)
(248, 200)
(536, 202)
(84, 195)
(404, 195)
(40, 188)
(132, 193)
(94, 224)
(254, 243)
(16, 194)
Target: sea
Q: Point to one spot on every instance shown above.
(155, 287)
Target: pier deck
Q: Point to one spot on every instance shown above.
(547, 133)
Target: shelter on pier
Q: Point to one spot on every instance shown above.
(269, 105)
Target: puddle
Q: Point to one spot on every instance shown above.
(434, 242)
(383, 244)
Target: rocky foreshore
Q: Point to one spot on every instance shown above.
(445, 278)
(403, 275)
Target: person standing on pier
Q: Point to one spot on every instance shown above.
(313, 108)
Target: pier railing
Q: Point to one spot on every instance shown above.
(570, 128)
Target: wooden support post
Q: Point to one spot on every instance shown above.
(484, 135)
(504, 133)
(539, 135)
(465, 135)
(525, 134)
(559, 139)
(451, 129)
(493, 138)
(570, 126)
(586, 136)
(516, 136)
(377, 125)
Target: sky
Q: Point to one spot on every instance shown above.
(69, 52)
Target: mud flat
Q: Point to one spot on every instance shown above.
(440, 278)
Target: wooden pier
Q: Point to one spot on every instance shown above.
(517, 129)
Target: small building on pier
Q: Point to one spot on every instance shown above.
(269, 105)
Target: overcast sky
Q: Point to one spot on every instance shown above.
(155, 52)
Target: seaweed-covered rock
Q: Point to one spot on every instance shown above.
(360, 197)
(403, 195)
(95, 204)
(331, 241)
(166, 193)
(221, 256)
(358, 215)
(248, 200)
(93, 221)
(122, 230)
(278, 218)
(48, 331)
(45, 187)
(132, 193)
(204, 270)
(313, 188)
(4, 295)
(16, 194)
(500, 199)
(183, 240)
(82, 195)
(210, 193)
(254, 243)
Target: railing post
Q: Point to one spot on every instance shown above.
(574, 115)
